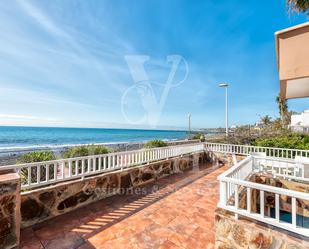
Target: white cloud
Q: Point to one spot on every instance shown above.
(25, 117)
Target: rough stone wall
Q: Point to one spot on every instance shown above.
(241, 233)
(9, 210)
(269, 202)
(42, 204)
(226, 158)
(285, 201)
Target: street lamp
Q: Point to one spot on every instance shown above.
(189, 125)
(225, 85)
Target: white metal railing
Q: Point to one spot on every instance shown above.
(50, 172)
(235, 181)
(292, 169)
(249, 149)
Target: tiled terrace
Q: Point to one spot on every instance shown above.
(176, 212)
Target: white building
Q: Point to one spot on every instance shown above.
(300, 122)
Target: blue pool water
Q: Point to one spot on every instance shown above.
(12, 137)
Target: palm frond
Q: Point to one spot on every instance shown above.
(298, 6)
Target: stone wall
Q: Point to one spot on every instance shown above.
(243, 233)
(9, 210)
(42, 204)
(226, 158)
(285, 201)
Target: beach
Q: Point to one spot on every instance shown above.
(15, 141)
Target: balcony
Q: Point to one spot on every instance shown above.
(174, 197)
(271, 190)
(175, 212)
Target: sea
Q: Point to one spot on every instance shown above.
(17, 138)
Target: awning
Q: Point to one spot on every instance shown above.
(292, 47)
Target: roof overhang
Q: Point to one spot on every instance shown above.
(292, 47)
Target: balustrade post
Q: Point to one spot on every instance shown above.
(10, 200)
(223, 195)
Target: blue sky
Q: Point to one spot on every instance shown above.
(63, 63)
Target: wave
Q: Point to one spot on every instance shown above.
(19, 149)
(21, 139)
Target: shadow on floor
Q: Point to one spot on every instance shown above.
(71, 230)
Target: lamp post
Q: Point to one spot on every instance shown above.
(189, 125)
(225, 85)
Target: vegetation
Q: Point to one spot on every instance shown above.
(199, 136)
(284, 139)
(36, 156)
(266, 128)
(266, 120)
(154, 144)
(85, 150)
(285, 114)
(289, 141)
(299, 6)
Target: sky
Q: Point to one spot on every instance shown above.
(139, 64)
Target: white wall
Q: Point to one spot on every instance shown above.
(296, 119)
(300, 122)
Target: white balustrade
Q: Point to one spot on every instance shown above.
(236, 180)
(248, 149)
(45, 173)
(280, 162)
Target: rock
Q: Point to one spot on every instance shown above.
(102, 182)
(126, 181)
(270, 200)
(243, 234)
(7, 188)
(31, 209)
(183, 165)
(5, 226)
(48, 198)
(293, 246)
(8, 204)
(238, 235)
(223, 227)
(156, 167)
(260, 242)
(113, 181)
(166, 169)
(147, 176)
(73, 201)
(7, 234)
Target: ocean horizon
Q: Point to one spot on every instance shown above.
(26, 137)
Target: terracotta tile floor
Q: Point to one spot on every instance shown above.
(174, 212)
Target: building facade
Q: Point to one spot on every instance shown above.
(300, 122)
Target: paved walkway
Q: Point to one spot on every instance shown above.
(174, 212)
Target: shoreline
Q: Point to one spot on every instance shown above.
(9, 157)
(30, 148)
(54, 147)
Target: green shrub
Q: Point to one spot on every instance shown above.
(85, 150)
(199, 136)
(37, 156)
(154, 144)
(32, 157)
(290, 141)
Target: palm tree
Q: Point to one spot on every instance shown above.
(266, 120)
(298, 6)
(283, 111)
